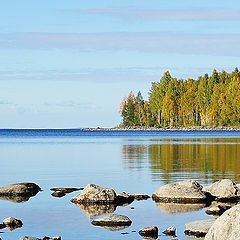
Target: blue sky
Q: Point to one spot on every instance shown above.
(69, 63)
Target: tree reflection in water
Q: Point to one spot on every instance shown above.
(171, 160)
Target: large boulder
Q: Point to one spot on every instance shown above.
(112, 220)
(198, 228)
(223, 190)
(226, 227)
(95, 194)
(20, 189)
(188, 191)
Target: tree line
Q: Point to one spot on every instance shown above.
(209, 101)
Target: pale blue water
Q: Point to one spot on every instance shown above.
(129, 161)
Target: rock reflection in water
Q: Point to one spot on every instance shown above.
(93, 210)
(15, 199)
(178, 208)
(113, 228)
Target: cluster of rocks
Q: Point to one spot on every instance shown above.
(220, 197)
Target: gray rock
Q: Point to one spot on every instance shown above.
(95, 194)
(226, 227)
(20, 189)
(150, 231)
(112, 220)
(223, 190)
(171, 231)
(198, 228)
(188, 191)
(93, 210)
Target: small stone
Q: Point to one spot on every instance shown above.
(150, 231)
(112, 220)
(170, 231)
(29, 238)
(132, 208)
(65, 189)
(10, 221)
(56, 238)
(124, 233)
(58, 194)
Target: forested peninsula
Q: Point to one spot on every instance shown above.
(209, 101)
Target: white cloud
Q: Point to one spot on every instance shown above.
(211, 44)
(168, 14)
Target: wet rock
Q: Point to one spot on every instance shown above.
(95, 194)
(93, 210)
(20, 189)
(188, 191)
(173, 208)
(11, 223)
(150, 231)
(112, 220)
(217, 210)
(226, 227)
(198, 228)
(171, 231)
(124, 198)
(2, 226)
(223, 190)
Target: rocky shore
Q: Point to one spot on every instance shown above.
(220, 200)
(196, 128)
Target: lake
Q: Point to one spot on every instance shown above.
(130, 161)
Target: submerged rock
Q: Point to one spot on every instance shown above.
(65, 189)
(150, 231)
(198, 228)
(95, 194)
(20, 189)
(173, 208)
(188, 191)
(226, 227)
(171, 231)
(93, 210)
(112, 220)
(223, 190)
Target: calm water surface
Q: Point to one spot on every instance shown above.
(125, 161)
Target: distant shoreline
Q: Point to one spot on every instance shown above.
(163, 129)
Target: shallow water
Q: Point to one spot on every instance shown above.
(129, 161)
